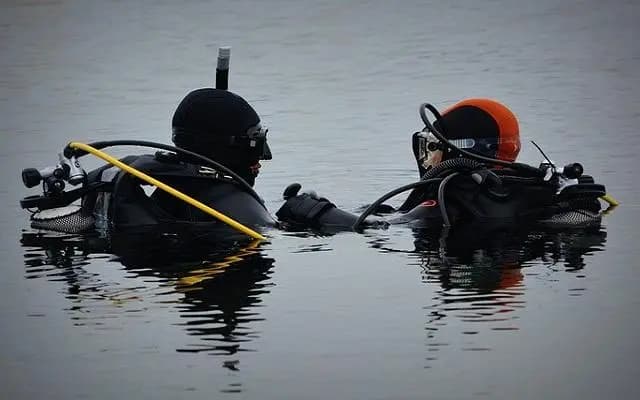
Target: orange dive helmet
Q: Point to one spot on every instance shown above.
(477, 125)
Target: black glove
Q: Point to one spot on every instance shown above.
(303, 209)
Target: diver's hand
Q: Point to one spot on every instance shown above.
(303, 209)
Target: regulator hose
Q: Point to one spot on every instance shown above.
(460, 164)
(443, 208)
(69, 151)
(357, 225)
(444, 172)
(455, 164)
(172, 191)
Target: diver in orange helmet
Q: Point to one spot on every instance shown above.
(468, 173)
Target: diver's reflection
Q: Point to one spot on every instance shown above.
(490, 254)
(219, 290)
(481, 275)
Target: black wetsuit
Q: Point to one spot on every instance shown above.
(124, 204)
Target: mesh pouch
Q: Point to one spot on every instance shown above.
(573, 218)
(64, 219)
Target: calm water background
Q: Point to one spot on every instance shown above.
(350, 316)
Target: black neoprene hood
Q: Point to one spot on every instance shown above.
(210, 115)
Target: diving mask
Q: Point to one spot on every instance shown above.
(257, 141)
(430, 151)
(427, 149)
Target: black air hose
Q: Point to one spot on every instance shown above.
(461, 165)
(443, 208)
(387, 196)
(68, 152)
(453, 165)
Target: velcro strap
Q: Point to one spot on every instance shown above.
(317, 210)
(304, 209)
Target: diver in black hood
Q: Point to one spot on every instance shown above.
(220, 143)
(221, 126)
(468, 175)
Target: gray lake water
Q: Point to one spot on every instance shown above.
(350, 316)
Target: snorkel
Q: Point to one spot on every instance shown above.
(222, 68)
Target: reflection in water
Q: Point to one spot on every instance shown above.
(480, 274)
(481, 278)
(217, 292)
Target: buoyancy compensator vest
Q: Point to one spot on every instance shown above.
(469, 191)
(124, 202)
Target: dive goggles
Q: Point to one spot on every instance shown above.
(254, 140)
(257, 140)
(429, 150)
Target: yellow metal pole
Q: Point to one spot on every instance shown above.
(141, 175)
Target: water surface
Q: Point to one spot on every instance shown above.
(384, 315)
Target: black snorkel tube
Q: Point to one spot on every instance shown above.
(222, 69)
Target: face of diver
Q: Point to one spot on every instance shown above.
(255, 148)
(429, 151)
